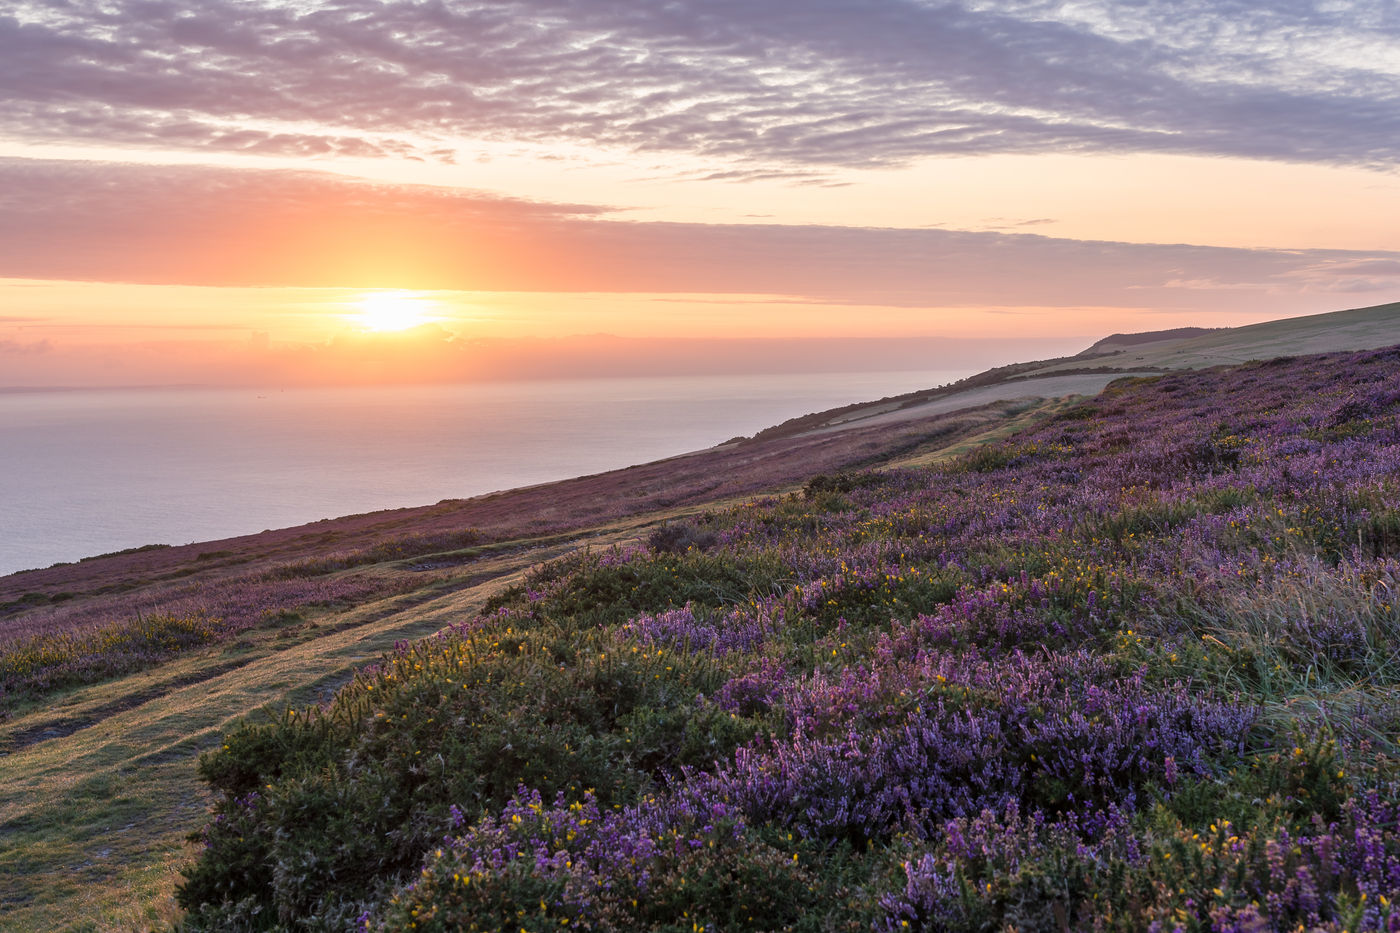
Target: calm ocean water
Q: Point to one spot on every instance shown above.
(91, 471)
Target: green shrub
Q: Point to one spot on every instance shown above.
(597, 594)
(353, 795)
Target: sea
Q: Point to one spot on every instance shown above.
(91, 471)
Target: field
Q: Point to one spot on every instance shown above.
(1130, 669)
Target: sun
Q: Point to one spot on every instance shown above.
(391, 311)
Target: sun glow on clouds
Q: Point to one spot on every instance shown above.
(387, 312)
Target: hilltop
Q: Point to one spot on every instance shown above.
(1116, 357)
(1115, 342)
(920, 580)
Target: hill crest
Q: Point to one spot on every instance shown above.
(1116, 341)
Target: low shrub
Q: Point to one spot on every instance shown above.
(39, 665)
(1134, 671)
(680, 537)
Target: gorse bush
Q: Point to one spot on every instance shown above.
(1133, 669)
(459, 720)
(79, 643)
(38, 665)
(592, 590)
(679, 537)
(392, 549)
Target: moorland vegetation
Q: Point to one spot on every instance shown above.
(1132, 669)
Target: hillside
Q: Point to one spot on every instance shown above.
(1115, 342)
(1127, 539)
(1086, 374)
(1131, 668)
(116, 671)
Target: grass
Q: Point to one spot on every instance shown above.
(101, 852)
(1317, 646)
(94, 823)
(1016, 416)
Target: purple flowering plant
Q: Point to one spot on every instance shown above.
(1134, 668)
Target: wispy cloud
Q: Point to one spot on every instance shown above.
(778, 83)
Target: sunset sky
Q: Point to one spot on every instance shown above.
(265, 192)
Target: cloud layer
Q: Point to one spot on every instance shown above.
(212, 226)
(797, 83)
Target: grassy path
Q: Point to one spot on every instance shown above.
(93, 824)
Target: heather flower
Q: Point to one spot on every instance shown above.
(1047, 686)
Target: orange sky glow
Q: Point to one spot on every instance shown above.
(257, 192)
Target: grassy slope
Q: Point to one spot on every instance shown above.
(1356, 329)
(93, 822)
(93, 819)
(1162, 623)
(1086, 374)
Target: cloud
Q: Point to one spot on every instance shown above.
(1347, 275)
(211, 226)
(25, 348)
(780, 83)
(207, 226)
(1006, 223)
(1378, 267)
